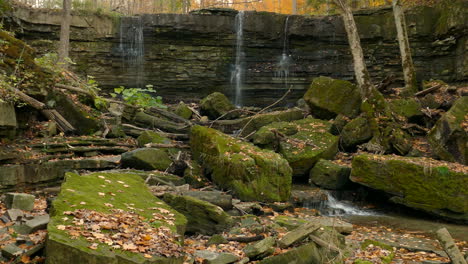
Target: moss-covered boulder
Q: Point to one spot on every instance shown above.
(409, 108)
(251, 173)
(421, 183)
(356, 132)
(216, 105)
(147, 159)
(328, 97)
(183, 111)
(330, 175)
(302, 143)
(99, 198)
(151, 137)
(203, 217)
(449, 136)
(195, 176)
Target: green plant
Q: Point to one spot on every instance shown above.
(139, 96)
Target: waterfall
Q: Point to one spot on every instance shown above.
(333, 207)
(237, 72)
(285, 59)
(131, 48)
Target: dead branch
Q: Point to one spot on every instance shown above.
(164, 134)
(173, 145)
(449, 246)
(429, 90)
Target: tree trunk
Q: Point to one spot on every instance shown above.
(387, 134)
(64, 44)
(294, 7)
(411, 85)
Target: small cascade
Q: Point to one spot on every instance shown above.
(132, 49)
(333, 207)
(285, 60)
(237, 73)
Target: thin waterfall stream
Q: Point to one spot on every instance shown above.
(285, 59)
(237, 74)
(132, 48)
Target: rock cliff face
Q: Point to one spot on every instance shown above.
(193, 55)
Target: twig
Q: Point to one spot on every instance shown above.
(263, 110)
(429, 90)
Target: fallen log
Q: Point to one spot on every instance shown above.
(449, 246)
(429, 90)
(244, 239)
(138, 130)
(172, 145)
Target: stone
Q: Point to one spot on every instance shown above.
(302, 142)
(249, 208)
(254, 123)
(14, 214)
(82, 192)
(11, 251)
(32, 225)
(292, 223)
(215, 197)
(328, 97)
(217, 240)
(147, 159)
(355, 132)
(297, 235)
(408, 108)
(20, 201)
(203, 217)
(7, 115)
(330, 175)
(151, 137)
(449, 135)
(305, 254)
(307, 196)
(194, 175)
(260, 249)
(183, 111)
(253, 174)
(162, 178)
(216, 105)
(421, 183)
(210, 257)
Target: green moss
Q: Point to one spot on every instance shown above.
(385, 259)
(252, 173)
(216, 105)
(420, 183)
(355, 132)
(151, 137)
(452, 15)
(82, 192)
(409, 108)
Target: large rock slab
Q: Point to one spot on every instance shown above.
(147, 159)
(302, 143)
(203, 217)
(328, 97)
(449, 136)
(251, 173)
(7, 115)
(330, 175)
(216, 105)
(109, 195)
(421, 183)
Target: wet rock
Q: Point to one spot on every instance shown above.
(147, 159)
(261, 249)
(421, 183)
(330, 175)
(354, 133)
(449, 135)
(20, 201)
(251, 173)
(216, 105)
(210, 257)
(301, 142)
(328, 97)
(203, 217)
(151, 137)
(292, 223)
(82, 192)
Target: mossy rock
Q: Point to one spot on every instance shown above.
(147, 159)
(330, 175)
(82, 192)
(216, 105)
(203, 217)
(425, 184)
(151, 137)
(328, 97)
(354, 133)
(449, 135)
(195, 176)
(252, 124)
(385, 259)
(409, 108)
(251, 173)
(306, 141)
(183, 111)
